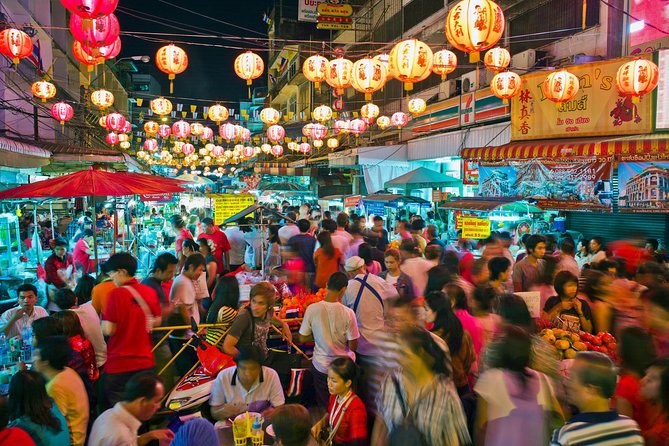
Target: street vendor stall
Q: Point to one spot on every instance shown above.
(392, 206)
(423, 178)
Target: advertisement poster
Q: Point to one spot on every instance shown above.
(307, 10)
(585, 181)
(475, 228)
(597, 109)
(225, 206)
(470, 172)
(662, 114)
(644, 13)
(644, 186)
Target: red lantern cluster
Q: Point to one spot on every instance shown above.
(15, 44)
(97, 32)
(90, 9)
(115, 122)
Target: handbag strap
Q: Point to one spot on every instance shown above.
(403, 404)
(145, 308)
(333, 432)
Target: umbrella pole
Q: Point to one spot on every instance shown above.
(95, 234)
(53, 232)
(262, 245)
(115, 237)
(37, 239)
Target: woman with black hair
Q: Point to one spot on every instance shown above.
(582, 255)
(637, 353)
(420, 396)
(500, 271)
(597, 250)
(437, 278)
(273, 256)
(327, 259)
(655, 388)
(223, 309)
(182, 234)
(211, 266)
(345, 422)
(514, 400)
(365, 253)
(484, 298)
(566, 304)
(31, 409)
(447, 326)
(597, 289)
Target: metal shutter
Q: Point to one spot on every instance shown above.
(620, 226)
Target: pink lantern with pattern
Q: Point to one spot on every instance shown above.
(188, 149)
(97, 32)
(277, 150)
(90, 9)
(62, 111)
(357, 126)
(276, 133)
(304, 148)
(399, 119)
(228, 131)
(181, 129)
(217, 151)
(207, 134)
(150, 145)
(164, 131)
(111, 138)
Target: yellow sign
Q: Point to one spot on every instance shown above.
(326, 25)
(475, 228)
(344, 10)
(598, 108)
(227, 205)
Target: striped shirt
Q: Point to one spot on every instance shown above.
(215, 335)
(598, 428)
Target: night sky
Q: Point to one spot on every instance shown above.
(210, 74)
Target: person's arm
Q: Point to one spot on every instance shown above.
(276, 397)
(163, 436)
(8, 323)
(601, 316)
(228, 410)
(108, 328)
(211, 274)
(230, 345)
(353, 345)
(285, 329)
(379, 432)
(624, 407)
(306, 334)
(586, 323)
(316, 429)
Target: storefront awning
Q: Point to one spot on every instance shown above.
(282, 169)
(22, 155)
(641, 145)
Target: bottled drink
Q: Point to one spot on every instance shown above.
(4, 349)
(26, 347)
(256, 428)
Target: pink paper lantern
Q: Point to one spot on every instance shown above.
(188, 149)
(107, 51)
(127, 128)
(357, 126)
(217, 151)
(112, 138)
(95, 33)
(277, 150)
(304, 147)
(90, 9)
(207, 134)
(318, 131)
(228, 131)
(115, 122)
(342, 126)
(399, 119)
(248, 152)
(62, 111)
(150, 145)
(276, 133)
(181, 129)
(244, 134)
(164, 131)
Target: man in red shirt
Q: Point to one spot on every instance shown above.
(57, 263)
(132, 311)
(218, 241)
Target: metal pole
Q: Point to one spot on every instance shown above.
(95, 235)
(262, 244)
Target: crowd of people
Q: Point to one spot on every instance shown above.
(416, 340)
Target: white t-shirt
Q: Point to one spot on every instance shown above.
(392, 279)
(286, 232)
(116, 426)
(332, 325)
(183, 293)
(223, 392)
(417, 269)
(90, 322)
(370, 312)
(237, 245)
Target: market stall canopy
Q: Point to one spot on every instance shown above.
(490, 204)
(422, 178)
(22, 155)
(93, 182)
(262, 209)
(195, 180)
(395, 198)
(282, 187)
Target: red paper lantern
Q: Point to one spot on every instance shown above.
(304, 148)
(248, 152)
(244, 133)
(84, 57)
(43, 90)
(181, 129)
(228, 131)
(188, 149)
(164, 131)
(637, 78)
(357, 126)
(90, 9)
(115, 122)
(277, 150)
(341, 126)
(207, 134)
(306, 129)
(127, 128)
(62, 111)
(474, 25)
(399, 119)
(172, 60)
(276, 133)
(97, 32)
(112, 138)
(151, 145)
(15, 44)
(151, 127)
(560, 86)
(505, 85)
(106, 52)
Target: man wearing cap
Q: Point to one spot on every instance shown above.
(131, 312)
(365, 295)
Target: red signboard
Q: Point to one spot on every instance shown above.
(352, 201)
(470, 170)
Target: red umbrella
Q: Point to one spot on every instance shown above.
(94, 182)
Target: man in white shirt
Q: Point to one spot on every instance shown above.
(289, 229)
(365, 294)
(13, 320)
(334, 330)
(183, 297)
(566, 261)
(237, 246)
(119, 425)
(253, 239)
(414, 265)
(340, 238)
(247, 387)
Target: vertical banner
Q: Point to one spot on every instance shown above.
(470, 172)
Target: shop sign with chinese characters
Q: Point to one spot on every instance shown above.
(598, 109)
(475, 228)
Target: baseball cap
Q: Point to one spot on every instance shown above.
(354, 263)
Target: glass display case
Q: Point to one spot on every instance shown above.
(10, 244)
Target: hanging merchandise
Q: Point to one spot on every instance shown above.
(15, 44)
(304, 148)
(474, 25)
(318, 131)
(410, 62)
(333, 143)
(229, 131)
(172, 60)
(277, 150)
(196, 129)
(207, 134)
(341, 126)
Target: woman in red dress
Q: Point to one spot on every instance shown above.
(346, 420)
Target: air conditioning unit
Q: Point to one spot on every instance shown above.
(525, 60)
(448, 88)
(469, 82)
